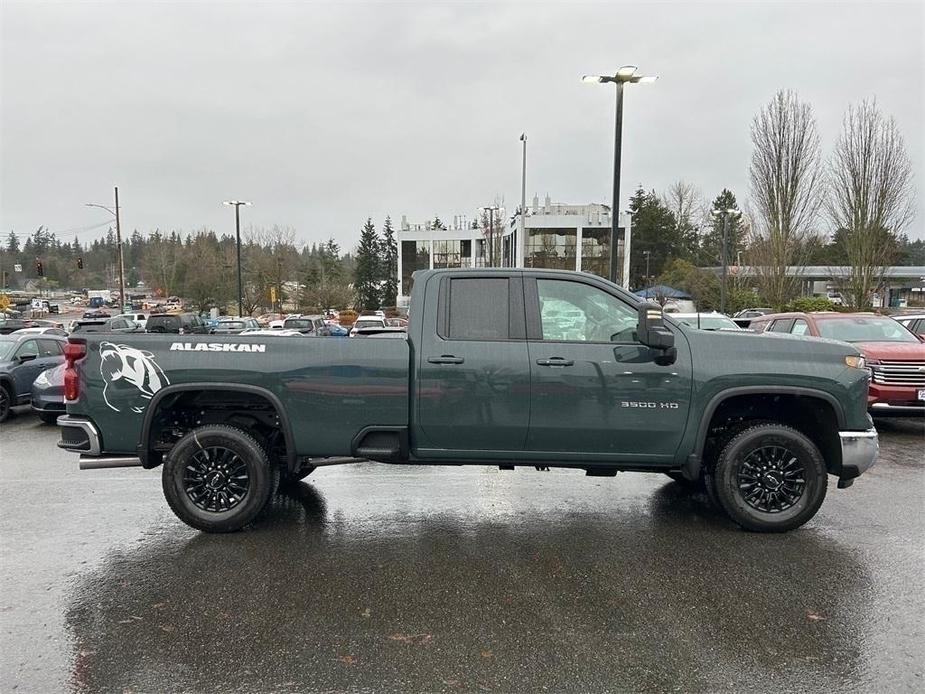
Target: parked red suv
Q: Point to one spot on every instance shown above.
(895, 356)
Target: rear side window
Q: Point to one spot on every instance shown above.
(799, 327)
(479, 309)
(49, 348)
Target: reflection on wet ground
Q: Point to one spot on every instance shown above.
(385, 578)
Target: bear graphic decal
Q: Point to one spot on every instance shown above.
(131, 377)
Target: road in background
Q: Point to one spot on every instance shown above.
(393, 578)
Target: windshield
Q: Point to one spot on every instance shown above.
(231, 325)
(708, 322)
(368, 324)
(6, 349)
(864, 329)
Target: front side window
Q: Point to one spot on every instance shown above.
(577, 312)
(29, 348)
(781, 326)
(479, 309)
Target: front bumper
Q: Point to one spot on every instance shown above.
(894, 401)
(859, 451)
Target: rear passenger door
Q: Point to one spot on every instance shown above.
(473, 389)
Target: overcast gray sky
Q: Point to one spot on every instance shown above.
(323, 114)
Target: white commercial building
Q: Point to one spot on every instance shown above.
(556, 235)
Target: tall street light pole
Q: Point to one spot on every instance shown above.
(521, 244)
(115, 213)
(237, 234)
(625, 74)
(647, 254)
(725, 214)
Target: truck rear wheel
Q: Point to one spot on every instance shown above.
(217, 479)
(770, 478)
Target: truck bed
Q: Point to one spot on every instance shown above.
(331, 388)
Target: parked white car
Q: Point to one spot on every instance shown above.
(140, 318)
(367, 322)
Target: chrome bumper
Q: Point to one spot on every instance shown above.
(859, 451)
(885, 409)
(84, 438)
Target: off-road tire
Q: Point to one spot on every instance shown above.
(737, 461)
(250, 458)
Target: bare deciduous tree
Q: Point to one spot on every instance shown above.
(870, 199)
(785, 185)
(686, 204)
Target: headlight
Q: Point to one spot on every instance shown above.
(856, 362)
(42, 379)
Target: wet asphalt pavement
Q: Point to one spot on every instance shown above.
(377, 578)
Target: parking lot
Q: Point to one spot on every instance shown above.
(387, 578)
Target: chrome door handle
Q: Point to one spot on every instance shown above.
(555, 361)
(445, 359)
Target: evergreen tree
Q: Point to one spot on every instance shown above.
(655, 231)
(712, 243)
(12, 242)
(367, 273)
(437, 223)
(389, 265)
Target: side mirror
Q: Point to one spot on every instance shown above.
(652, 332)
(23, 358)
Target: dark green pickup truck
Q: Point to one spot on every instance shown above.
(500, 367)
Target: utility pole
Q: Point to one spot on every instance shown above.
(647, 281)
(121, 261)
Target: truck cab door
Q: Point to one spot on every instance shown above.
(473, 383)
(596, 392)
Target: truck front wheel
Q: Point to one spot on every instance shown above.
(217, 479)
(770, 478)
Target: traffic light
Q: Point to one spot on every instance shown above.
(39, 268)
(80, 263)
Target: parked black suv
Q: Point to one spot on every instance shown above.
(180, 323)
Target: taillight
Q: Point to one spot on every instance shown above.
(73, 352)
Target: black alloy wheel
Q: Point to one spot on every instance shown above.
(216, 479)
(769, 477)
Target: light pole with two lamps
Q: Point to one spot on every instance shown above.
(626, 74)
(237, 233)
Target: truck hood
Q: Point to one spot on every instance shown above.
(770, 346)
(892, 350)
